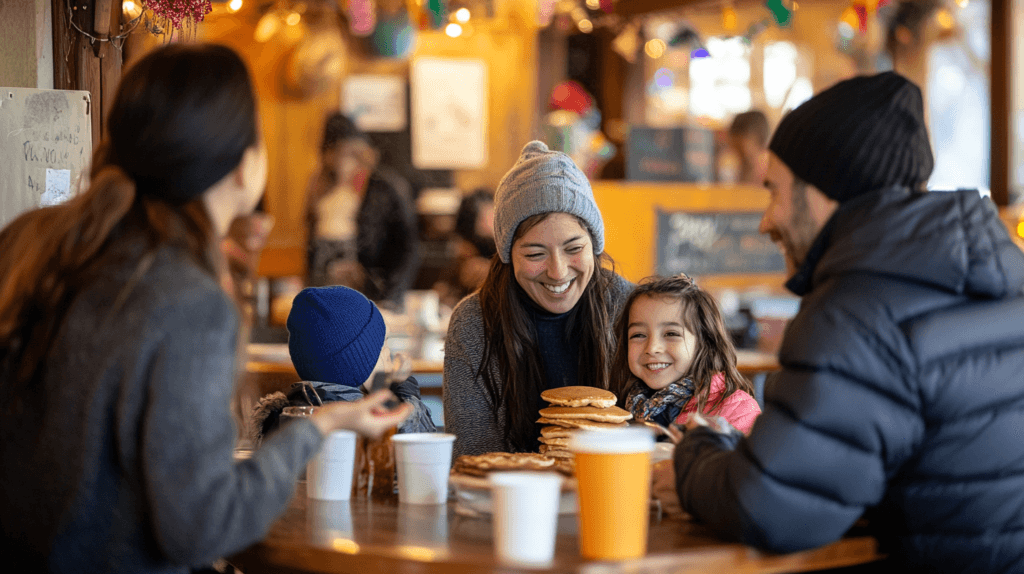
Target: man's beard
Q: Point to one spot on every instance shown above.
(798, 238)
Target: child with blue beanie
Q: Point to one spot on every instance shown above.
(335, 339)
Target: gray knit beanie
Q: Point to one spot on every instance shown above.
(543, 181)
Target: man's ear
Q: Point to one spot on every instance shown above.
(820, 206)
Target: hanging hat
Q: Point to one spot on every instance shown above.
(862, 134)
(543, 181)
(335, 335)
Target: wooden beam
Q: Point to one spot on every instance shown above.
(637, 7)
(101, 18)
(1001, 84)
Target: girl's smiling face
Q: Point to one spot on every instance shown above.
(660, 348)
(553, 262)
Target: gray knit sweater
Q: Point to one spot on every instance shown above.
(120, 459)
(469, 412)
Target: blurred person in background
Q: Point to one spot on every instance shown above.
(361, 217)
(748, 138)
(911, 31)
(474, 247)
(118, 343)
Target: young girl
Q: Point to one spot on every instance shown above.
(675, 358)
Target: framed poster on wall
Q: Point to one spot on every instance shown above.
(376, 103)
(448, 113)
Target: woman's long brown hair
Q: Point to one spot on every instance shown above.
(714, 353)
(181, 115)
(511, 338)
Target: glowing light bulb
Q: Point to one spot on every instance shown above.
(234, 6)
(293, 19)
(462, 15)
(945, 19)
(655, 48)
(131, 9)
(593, 4)
(729, 18)
(585, 26)
(453, 30)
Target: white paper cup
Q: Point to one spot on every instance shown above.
(423, 461)
(329, 474)
(525, 516)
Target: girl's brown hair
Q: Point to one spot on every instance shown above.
(182, 118)
(700, 314)
(511, 338)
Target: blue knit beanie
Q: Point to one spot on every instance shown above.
(335, 335)
(543, 181)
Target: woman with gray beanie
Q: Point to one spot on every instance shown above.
(543, 316)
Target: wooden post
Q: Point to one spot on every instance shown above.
(1000, 77)
(82, 63)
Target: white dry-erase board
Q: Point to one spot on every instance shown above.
(45, 147)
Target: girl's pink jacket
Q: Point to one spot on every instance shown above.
(739, 408)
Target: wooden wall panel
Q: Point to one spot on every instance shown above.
(83, 64)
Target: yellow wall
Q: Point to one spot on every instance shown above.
(628, 210)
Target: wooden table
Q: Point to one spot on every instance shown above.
(363, 537)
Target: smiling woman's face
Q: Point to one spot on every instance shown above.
(554, 262)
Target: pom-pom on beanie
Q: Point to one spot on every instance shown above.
(543, 181)
(335, 335)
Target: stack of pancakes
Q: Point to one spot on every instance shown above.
(573, 408)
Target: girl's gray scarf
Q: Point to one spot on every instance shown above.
(646, 403)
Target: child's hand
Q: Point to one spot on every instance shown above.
(716, 423)
(367, 416)
(663, 487)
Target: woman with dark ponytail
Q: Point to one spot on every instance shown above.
(118, 347)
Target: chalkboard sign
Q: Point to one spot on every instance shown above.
(670, 154)
(45, 144)
(714, 243)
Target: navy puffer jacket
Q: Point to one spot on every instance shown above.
(901, 394)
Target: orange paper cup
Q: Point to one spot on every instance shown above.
(613, 472)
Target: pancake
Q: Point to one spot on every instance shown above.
(579, 396)
(560, 441)
(571, 424)
(555, 432)
(555, 451)
(481, 464)
(605, 415)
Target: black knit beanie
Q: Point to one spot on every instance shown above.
(861, 134)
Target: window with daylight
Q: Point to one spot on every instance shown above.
(720, 82)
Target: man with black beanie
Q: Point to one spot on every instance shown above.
(901, 393)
